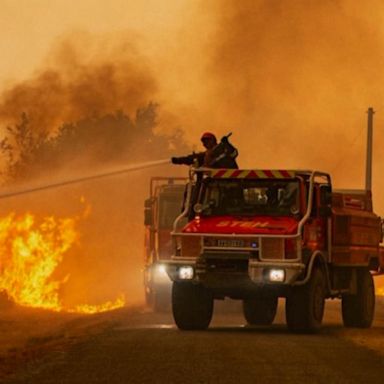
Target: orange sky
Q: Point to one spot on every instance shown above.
(171, 35)
(29, 27)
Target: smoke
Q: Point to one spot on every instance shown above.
(109, 258)
(295, 79)
(83, 75)
(84, 81)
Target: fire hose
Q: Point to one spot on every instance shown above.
(109, 173)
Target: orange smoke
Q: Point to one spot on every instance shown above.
(78, 83)
(292, 81)
(31, 251)
(287, 73)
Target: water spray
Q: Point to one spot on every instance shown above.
(109, 173)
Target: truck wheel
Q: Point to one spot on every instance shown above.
(358, 310)
(260, 310)
(192, 306)
(304, 307)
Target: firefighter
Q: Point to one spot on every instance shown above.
(216, 155)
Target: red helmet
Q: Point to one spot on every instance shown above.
(208, 136)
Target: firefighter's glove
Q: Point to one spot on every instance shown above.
(224, 140)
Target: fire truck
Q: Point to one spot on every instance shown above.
(160, 210)
(260, 235)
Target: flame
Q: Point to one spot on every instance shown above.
(30, 252)
(108, 306)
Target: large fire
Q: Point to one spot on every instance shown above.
(30, 252)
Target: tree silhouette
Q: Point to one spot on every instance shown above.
(89, 142)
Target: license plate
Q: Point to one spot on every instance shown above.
(230, 243)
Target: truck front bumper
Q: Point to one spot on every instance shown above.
(259, 272)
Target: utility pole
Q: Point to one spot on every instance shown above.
(368, 169)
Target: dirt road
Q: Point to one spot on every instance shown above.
(137, 346)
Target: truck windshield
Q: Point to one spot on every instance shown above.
(248, 197)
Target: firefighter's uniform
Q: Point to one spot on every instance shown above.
(221, 155)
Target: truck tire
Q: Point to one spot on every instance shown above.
(358, 310)
(260, 310)
(192, 306)
(304, 307)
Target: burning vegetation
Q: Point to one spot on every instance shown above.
(31, 253)
(32, 250)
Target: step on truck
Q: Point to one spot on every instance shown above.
(161, 208)
(260, 235)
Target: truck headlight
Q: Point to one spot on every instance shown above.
(275, 275)
(186, 273)
(160, 273)
(161, 269)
